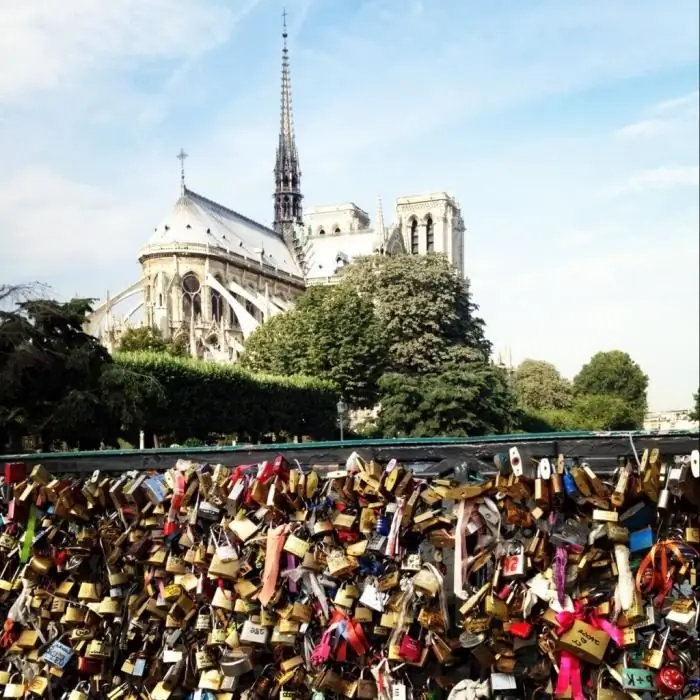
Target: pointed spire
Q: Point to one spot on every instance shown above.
(181, 156)
(286, 120)
(287, 171)
(379, 228)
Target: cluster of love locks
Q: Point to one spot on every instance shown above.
(363, 581)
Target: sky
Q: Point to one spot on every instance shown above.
(567, 131)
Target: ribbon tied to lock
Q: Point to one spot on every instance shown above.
(649, 578)
(570, 665)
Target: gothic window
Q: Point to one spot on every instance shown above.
(250, 308)
(217, 306)
(429, 235)
(321, 232)
(285, 207)
(191, 297)
(414, 237)
(337, 229)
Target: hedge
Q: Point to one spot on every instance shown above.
(183, 398)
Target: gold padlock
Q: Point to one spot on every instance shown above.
(203, 660)
(14, 689)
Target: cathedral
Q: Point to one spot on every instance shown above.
(211, 275)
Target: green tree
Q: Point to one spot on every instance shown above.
(695, 413)
(615, 373)
(280, 346)
(333, 334)
(401, 331)
(147, 339)
(51, 375)
(538, 385)
(604, 412)
(425, 308)
(463, 396)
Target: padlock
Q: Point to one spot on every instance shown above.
(635, 679)
(654, 658)
(15, 687)
(670, 680)
(203, 622)
(80, 692)
(411, 645)
(514, 564)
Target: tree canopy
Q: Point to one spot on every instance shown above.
(60, 388)
(333, 334)
(51, 373)
(695, 413)
(424, 306)
(615, 373)
(401, 332)
(538, 385)
(147, 339)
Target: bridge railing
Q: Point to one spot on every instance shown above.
(427, 456)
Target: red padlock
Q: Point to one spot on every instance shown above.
(15, 472)
(411, 647)
(670, 680)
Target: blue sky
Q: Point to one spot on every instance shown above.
(568, 131)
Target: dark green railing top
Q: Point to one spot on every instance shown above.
(291, 447)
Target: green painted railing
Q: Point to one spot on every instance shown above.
(277, 447)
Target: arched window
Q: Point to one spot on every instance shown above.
(191, 296)
(337, 229)
(217, 306)
(414, 237)
(429, 235)
(250, 308)
(321, 232)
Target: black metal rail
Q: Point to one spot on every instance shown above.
(430, 456)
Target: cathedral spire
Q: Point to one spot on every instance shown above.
(287, 172)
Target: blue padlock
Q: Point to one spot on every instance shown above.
(570, 487)
(641, 540)
(383, 525)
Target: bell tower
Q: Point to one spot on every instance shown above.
(287, 197)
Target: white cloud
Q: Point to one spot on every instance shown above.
(646, 127)
(59, 222)
(687, 102)
(662, 177)
(666, 116)
(49, 44)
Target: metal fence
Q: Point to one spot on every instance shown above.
(427, 456)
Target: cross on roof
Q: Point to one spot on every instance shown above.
(181, 157)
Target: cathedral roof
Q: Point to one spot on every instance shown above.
(324, 255)
(197, 222)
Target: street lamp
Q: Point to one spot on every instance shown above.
(341, 416)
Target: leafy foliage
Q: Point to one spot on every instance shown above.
(146, 339)
(61, 387)
(615, 374)
(333, 333)
(51, 373)
(464, 396)
(424, 306)
(588, 412)
(194, 399)
(695, 412)
(538, 385)
(401, 331)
